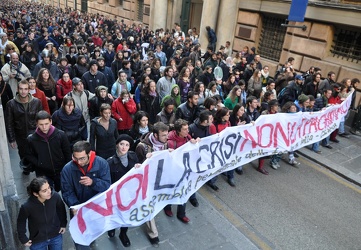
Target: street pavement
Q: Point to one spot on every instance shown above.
(212, 227)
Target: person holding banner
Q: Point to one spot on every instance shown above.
(84, 177)
(176, 138)
(221, 122)
(356, 105)
(119, 164)
(150, 142)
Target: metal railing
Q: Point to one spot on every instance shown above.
(347, 45)
(272, 38)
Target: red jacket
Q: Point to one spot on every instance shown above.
(214, 130)
(124, 111)
(334, 100)
(175, 141)
(63, 88)
(41, 96)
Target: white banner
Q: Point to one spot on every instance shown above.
(170, 178)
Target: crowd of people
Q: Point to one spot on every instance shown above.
(87, 98)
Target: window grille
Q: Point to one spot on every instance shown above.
(347, 45)
(140, 10)
(272, 38)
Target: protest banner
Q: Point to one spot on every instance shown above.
(172, 177)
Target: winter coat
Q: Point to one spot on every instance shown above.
(151, 105)
(53, 69)
(48, 155)
(20, 118)
(102, 141)
(73, 125)
(175, 141)
(22, 73)
(91, 81)
(184, 111)
(124, 111)
(63, 88)
(198, 131)
(117, 169)
(44, 219)
(75, 193)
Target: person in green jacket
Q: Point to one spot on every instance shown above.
(233, 97)
(175, 94)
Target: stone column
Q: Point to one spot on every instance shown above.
(159, 14)
(209, 18)
(227, 20)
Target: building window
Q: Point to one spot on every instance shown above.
(121, 3)
(272, 37)
(347, 45)
(140, 10)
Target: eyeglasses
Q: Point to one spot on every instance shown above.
(11, 48)
(80, 159)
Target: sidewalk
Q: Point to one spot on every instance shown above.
(208, 228)
(343, 159)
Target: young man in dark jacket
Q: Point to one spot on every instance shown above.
(20, 119)
(49, 149)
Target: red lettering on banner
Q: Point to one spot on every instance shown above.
(279, 130)
(143, 184)
(263, 136)
(99, 209)
(247, 136)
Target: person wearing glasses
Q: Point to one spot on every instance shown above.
(85, 176)
(14, 71)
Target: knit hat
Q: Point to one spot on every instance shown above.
(302, 98)
(125, 137)
(92, 62)
(100, 58)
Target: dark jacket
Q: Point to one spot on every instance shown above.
(96, 102)
(48, 154)
(73, 125)
(109, 76)
(198, 131)
(251, 116)
(44, 219)
(91, 81)
(151, 105)
(102, 141)
(291, 93)
(145, 146)
(79, 70)
(117, 169)
(311, 89)
(20, 118)
(184, 111)
(75, 193)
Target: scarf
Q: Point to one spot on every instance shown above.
(143, 130)
(153, 93)
(157, 145)
(45, 136)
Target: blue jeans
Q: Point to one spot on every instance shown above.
(326, 141)
(341, 128)
(55, 243)
(276, 158)
(316, 146)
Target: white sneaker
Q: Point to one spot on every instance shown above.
(274, 165)
(293, 162)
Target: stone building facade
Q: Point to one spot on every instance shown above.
(331, 39)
